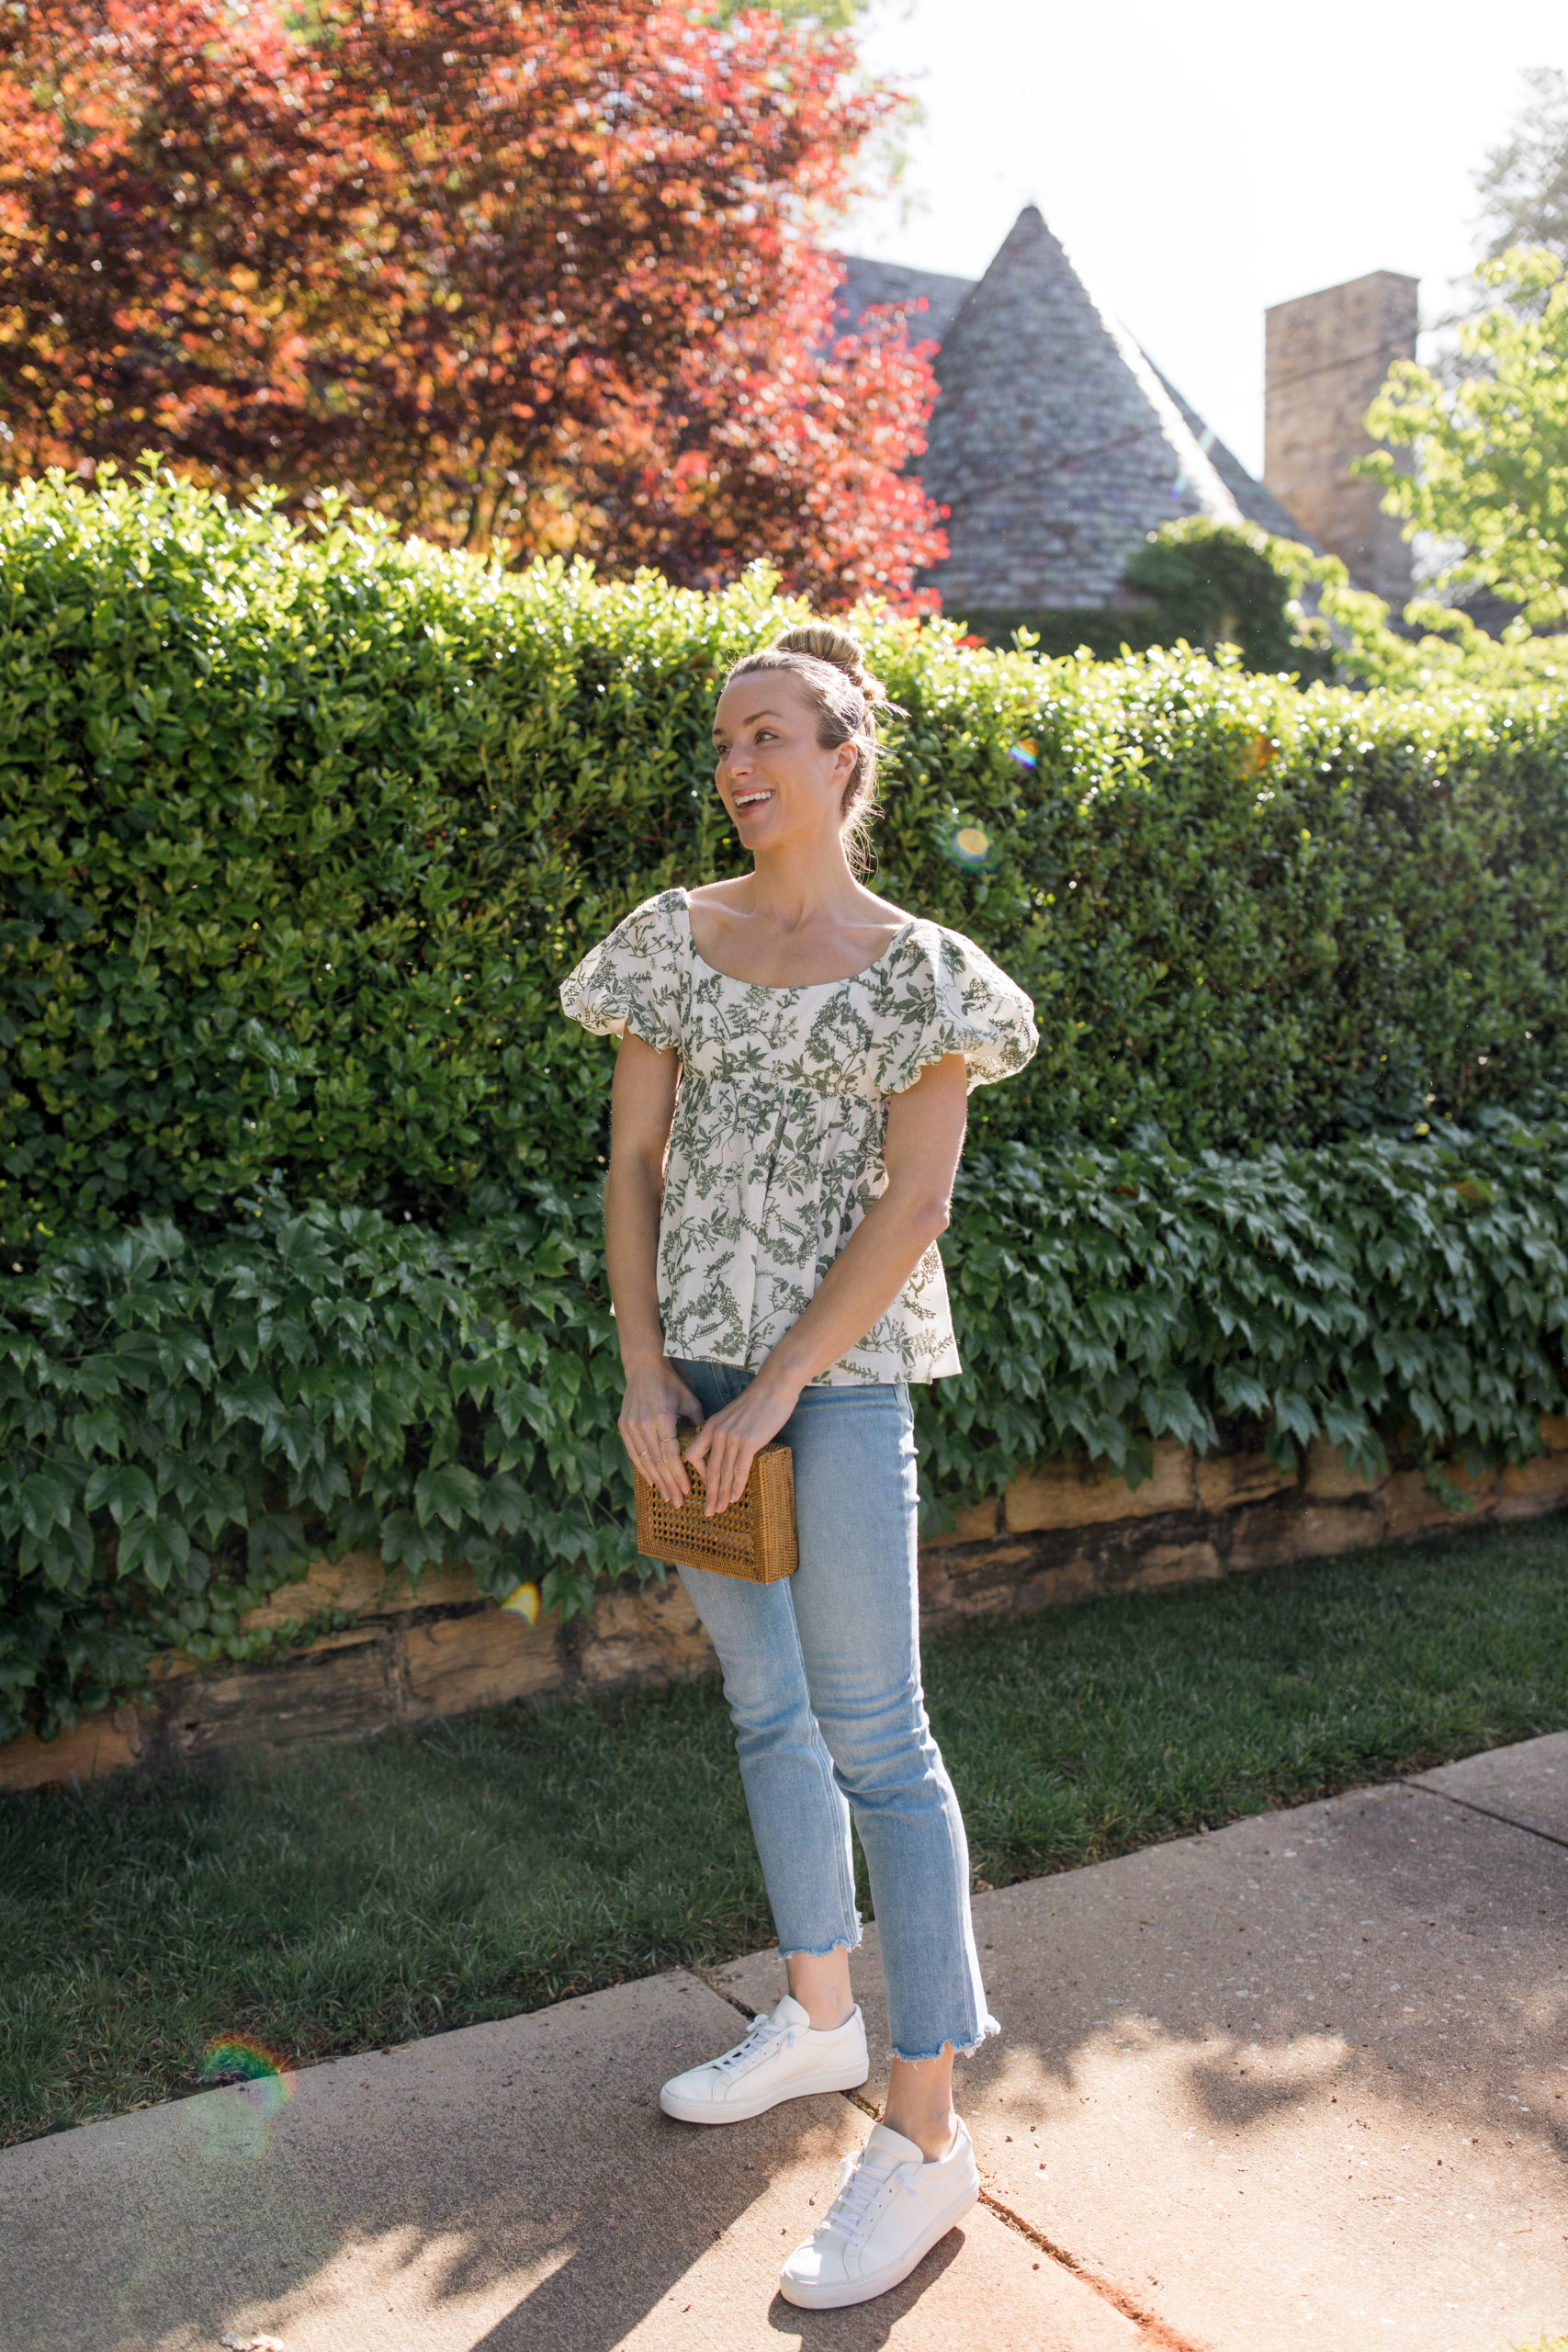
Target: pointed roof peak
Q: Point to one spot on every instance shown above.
(1054, 444)
(1030, 230)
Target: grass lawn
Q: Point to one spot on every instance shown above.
(371, 1893)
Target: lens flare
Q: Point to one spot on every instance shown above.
(971, 845)
(1024, 754)
(252, 2085)
(239, 2062)
(523, 1602)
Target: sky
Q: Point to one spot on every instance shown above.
(1200, 163)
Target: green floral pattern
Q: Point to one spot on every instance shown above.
(776, 1146)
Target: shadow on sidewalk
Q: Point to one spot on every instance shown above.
(1305, 2081)
(509, 2185)
(1295, 2082)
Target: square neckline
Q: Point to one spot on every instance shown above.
(790, 987)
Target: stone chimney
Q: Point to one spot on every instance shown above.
(1326, 358)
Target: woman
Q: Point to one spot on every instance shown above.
(787, 1115)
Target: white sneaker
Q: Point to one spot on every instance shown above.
(892, 2207)
(783, 2056)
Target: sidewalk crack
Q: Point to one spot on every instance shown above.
(1156, 2333)
(710, 1978)
(1424, 1788)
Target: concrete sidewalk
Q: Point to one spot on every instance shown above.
(1303, 2083)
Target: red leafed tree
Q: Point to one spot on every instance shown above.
(157, 164)
(531, 275)
(793, 438)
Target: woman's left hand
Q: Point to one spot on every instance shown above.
(728, 1442)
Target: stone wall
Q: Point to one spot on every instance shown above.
(1067, 1531)
(1327, 356)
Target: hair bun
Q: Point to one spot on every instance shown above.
(824, 641)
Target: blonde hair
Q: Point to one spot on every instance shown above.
(831, 665)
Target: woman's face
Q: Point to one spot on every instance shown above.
(773, 776)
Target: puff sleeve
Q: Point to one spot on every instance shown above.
(632, 979)
(946, 996)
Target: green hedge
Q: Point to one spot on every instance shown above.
(187, 1422)
(297, 835)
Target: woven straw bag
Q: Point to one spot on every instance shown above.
(754, 1538)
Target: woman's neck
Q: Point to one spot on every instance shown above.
(792, 888)
(791, 923)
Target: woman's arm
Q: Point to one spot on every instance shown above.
(642, 1104)
(925, 1135)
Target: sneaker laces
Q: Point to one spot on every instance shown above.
(860, 2186)
(763, 2038)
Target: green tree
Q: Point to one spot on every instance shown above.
(1523, 184)
(1491, 476)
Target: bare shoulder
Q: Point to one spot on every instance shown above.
(880, 919)
(732, 896)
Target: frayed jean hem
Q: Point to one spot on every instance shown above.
(821, 1951)
(959, 2049)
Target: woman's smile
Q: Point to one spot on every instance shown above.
(775, 740)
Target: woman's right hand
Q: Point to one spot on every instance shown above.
(656, 1398)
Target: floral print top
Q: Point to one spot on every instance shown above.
(775, 1150)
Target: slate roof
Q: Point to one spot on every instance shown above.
(1055, 445)
(1255, 498)
(872, 285)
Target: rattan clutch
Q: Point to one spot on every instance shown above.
(754, 1538)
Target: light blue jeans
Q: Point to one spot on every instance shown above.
(822, 1673)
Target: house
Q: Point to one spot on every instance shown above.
(1057, 446)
